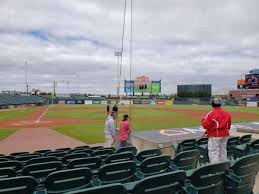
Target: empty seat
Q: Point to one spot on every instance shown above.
(16, 165)
(58, 154)
(63, 149)
(24, 158)
(155, 165)
(69, 157)
(103, 153)
(147, 154)
(121, 172)
(18, 185)
(68, 180)
(96, 147)
(105, 189)
(120, 157)
(81, 150)
(209, 179)
(3, 159)
(42, 151)
(41, 160)
(244, 172)
(85, 146)
(41, 170)
(7, 172)
(185, 145)
(128, 149)
(202, 141)
(171, 182)
(232, 142)
(91, 162)
(19, 153)
(186, 160)
(246, 149)
(245, 139)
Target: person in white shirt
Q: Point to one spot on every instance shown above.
(109, 130)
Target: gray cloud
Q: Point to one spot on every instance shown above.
(180, 42)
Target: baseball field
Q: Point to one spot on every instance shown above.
(86, 122)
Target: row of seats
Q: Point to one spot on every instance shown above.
(9, 99)
(220, 178)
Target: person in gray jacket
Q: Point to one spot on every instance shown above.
(109, 130)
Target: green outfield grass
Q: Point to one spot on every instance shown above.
(4, 133)
(15, 113)
(144, 117)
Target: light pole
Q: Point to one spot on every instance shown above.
(118, 54)
(26, 77)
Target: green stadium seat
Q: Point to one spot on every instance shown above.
(89, 152)
(41, 170)
(63, 149)
(24, 158)
(209, 179)
(127, 149)
(242, 174)
(105, 189)
(171, 182)
(68, 180)
(85, 147)
(69, 157)
(232, 142)
(41, 160)
(91, 162)
(121, 172)
(103, 153)
(58, 154)
(245, 139)
(185, 145)
(3, 159)
(42, 152)
(186, 160)
(16, 165)
(246, 149)
(202, 141)
(147, 154)
(155, 165)
(19, 153)
(119, 157)
(18, 185)
(96, 147)
(7, 172)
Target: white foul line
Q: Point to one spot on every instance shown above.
(38, 120)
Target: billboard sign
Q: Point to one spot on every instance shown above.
(128, 86)
(88, 102)
(104, 102)
(70, 102)
(156, 87)
(161, 102)
(252, 81)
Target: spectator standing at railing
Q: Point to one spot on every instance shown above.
(109, 130)
(125, 131)
(217, 124)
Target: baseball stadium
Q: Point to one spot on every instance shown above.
(135, 133)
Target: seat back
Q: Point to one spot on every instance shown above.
(246, 169)
(210, 179)
(255, 145)
(7, 172)
(107, 189)
(127, 149)
(41, 170)
(19, 153)
(24, 158)
(18, 185)
(103, 153)
(68, 180)
(165, 183)
(186, 160)
(84, 146)
(96, 147)
(43, 152)
(120, 157)
(2, 159)
(14, 164)
(69, 157)
(147, 154)
(89, 152)
(232, 141)
(202, 141)
(58, 154)
(63, 149)
(91, 162)
(41, 160)
(185, 145)
(245, 139)
(155, 165)
(120, 172)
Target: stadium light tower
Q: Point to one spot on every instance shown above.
(26, 77)
(118, 54)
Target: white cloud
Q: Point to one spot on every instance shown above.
(180, 42)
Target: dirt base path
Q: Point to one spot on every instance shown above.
(32, 139)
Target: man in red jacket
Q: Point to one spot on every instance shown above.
(217, 124)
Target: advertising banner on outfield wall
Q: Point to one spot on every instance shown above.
(152, 102)
(80, 102)
(124, 102)
(61, 102)
(168, 102)
(113, 102)
(160, 101)
(88, 102)
(96, 102)
(70, 102)
(137, 102)
(144, 101)
(104, 102)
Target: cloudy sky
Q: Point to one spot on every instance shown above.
(177, 41)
